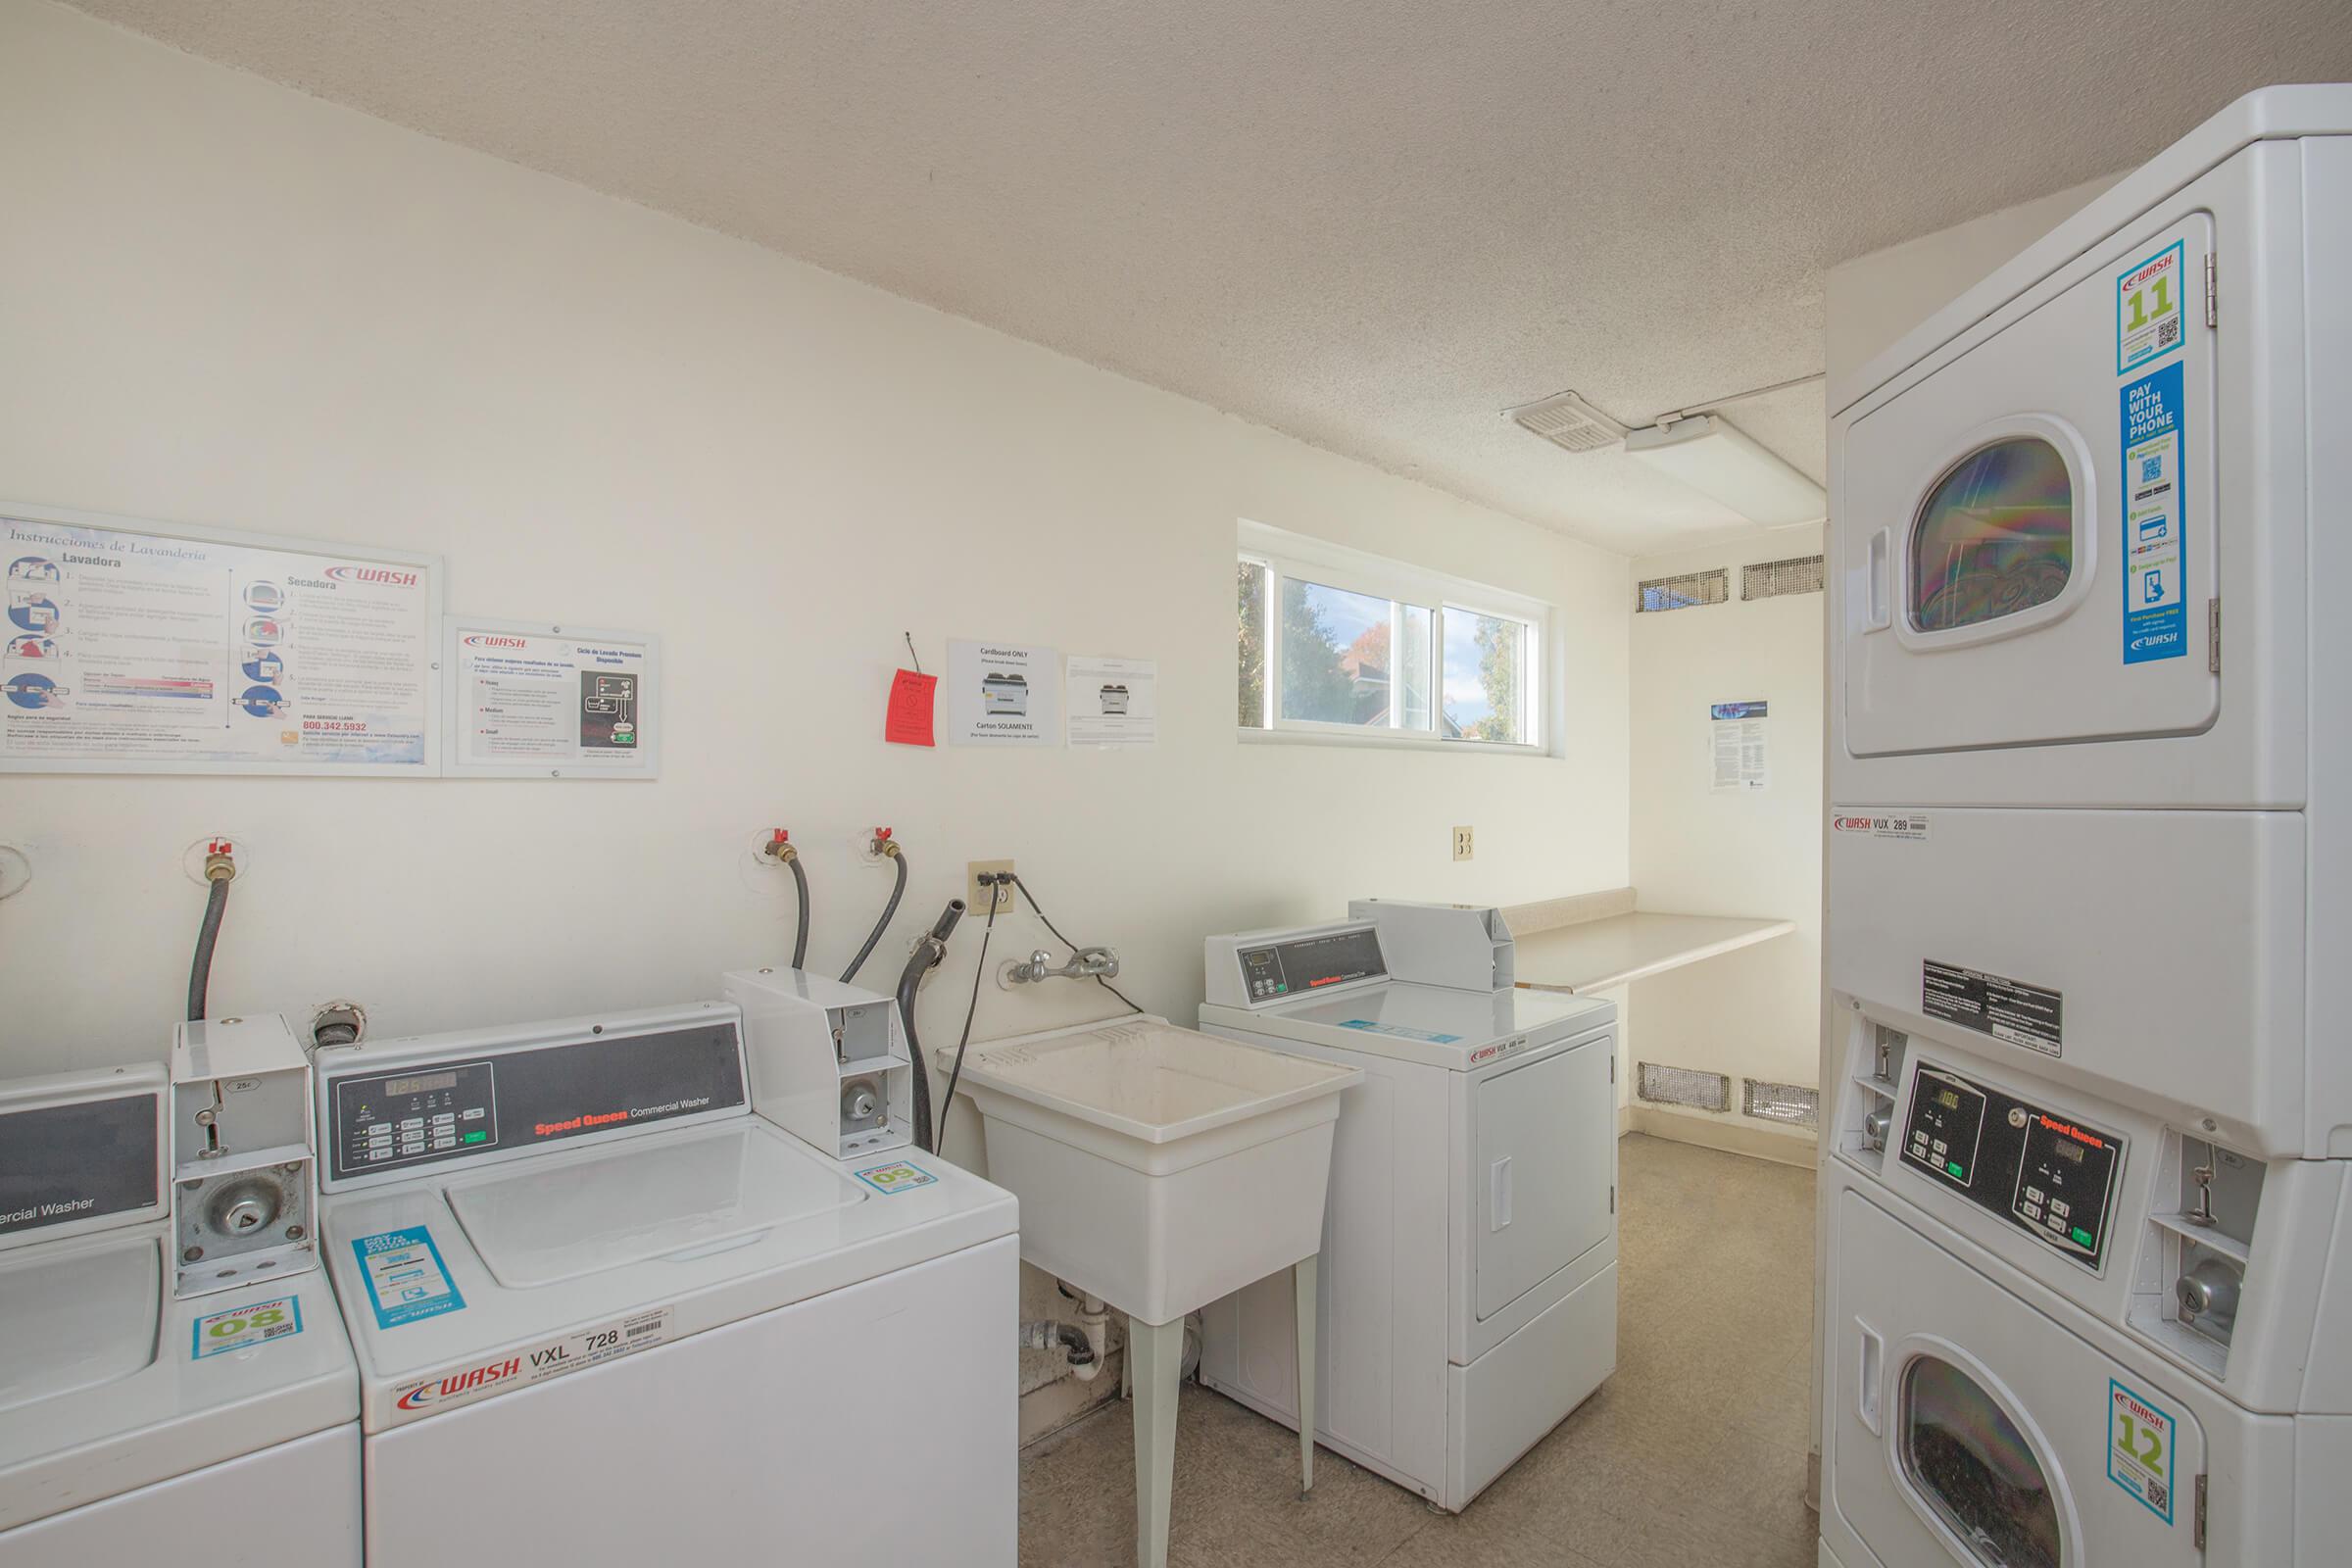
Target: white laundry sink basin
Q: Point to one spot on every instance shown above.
(1158, 1168)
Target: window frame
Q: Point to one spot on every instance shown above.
(1285, 557)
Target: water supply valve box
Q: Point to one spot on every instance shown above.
(828, 1061)
(244, 1182)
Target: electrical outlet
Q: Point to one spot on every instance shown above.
(1461, 844)
(976, 896)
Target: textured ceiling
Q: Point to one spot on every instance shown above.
(1370, 224)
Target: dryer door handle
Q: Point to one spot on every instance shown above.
(1878, 588)
(1498, 1194)
(1867, 1378)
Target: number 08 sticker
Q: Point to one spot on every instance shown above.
(241, 1328)
(2139, 1448)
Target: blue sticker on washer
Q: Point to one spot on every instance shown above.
(899, 1176)
(2139, 1448)
(2155, 439)
(1401, 1034)
(2147, 310)
(241, 1328)
(404, 1277)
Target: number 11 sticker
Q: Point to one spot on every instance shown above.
(2140, 1449)
(2147, 310)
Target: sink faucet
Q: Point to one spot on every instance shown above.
(1087, 963)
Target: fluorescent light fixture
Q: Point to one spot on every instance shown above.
(1723, 462)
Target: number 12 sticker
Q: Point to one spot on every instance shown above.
(2140, 1449)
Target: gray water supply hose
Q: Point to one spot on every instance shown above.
(208, 936)
(800, 936)
(898, 890)
(922, 960)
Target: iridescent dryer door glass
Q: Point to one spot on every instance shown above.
(1997, 536)
(1974, 1470)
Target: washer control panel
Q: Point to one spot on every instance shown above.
(1278, 970)
(2041, 1170)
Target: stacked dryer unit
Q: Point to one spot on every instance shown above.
(2088, 1194)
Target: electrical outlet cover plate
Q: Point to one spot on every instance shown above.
(1461, 844)
(975, 897)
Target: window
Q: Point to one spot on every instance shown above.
(1333, 643)
(1996, 537)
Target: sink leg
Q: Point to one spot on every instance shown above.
(1302, 1285)
(1155, 1351)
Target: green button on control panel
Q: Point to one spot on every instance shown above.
(475, 1136)
(1954, 1167)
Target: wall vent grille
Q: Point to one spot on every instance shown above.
(1692, 588)
(1794, 1104)
(1683, 1086)
(1769, 580)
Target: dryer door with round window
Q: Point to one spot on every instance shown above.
(2027, 533)
(1966, 1426)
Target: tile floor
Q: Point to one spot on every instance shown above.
(1692, 1454)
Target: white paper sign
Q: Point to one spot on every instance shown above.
(147, 647)
(1113, 701)
(1735, 747)
(538, 700)
(1004, 694)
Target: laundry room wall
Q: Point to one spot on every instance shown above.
(230, 304)
(1872, 300)
(1755, 1012)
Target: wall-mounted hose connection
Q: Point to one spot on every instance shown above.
(926, 957)
(884, 844)
(219, 870)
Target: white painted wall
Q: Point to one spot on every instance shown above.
(230, 304)
(1871, 301)
(1754, 1012)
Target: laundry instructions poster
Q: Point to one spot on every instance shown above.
(1113, 701)
(1735, 747)
(534, 700)
(137, 647)
(1004, 694)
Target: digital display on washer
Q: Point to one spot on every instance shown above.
(1291, 968)
(398, 1120)
(2044, 1172)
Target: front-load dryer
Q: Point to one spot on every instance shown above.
(136, 1426)
(1469, 1260)
(2082, 542)
(605, 1314)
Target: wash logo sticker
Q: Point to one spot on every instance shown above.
(895, 1177)
(404, 1277)
(2139, 1448)
(2155, 519)
(2147, 310)
(241, 1328)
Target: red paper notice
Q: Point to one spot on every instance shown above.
(909, 719)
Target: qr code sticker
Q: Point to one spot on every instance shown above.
(2151, 469)
(2157, 1497)
(2167, 334)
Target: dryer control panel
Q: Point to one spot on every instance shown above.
(2041, 1170)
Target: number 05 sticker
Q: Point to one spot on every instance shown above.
(2139, 1448)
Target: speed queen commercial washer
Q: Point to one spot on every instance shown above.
(605, 1314)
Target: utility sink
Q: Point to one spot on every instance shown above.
(1162, 1169)
(1158, 1168)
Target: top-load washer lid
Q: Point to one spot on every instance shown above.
(77, 1320)
(642, 1200)
(106, 1384)
(1437, 1025)
(457, 1285)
